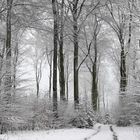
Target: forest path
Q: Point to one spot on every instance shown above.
(104, 134)
(95, 133)
(99, 132)
(115, 137)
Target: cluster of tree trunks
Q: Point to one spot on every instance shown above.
(59, 39)
(58, 48)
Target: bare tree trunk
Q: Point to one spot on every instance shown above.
(131, 3)
(1, 64)
(94, 78)
(130, 26)
(55, 14)
(61, 43)
(15, 68)
(37, 89)
(50, 77)
(37, 81)
(67, 79)
(76, 48)
(38, 75)
(123, 78)
(104, 105)
(123, 71)
(8, 82)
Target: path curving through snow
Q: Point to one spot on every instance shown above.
(104, 134)
(99, 132)
(115, 137)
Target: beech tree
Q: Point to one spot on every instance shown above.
(117, 21)
(61, 53)
(76, 8)
(75, 15)
(8, 82)
(94, 29)
(55, 31)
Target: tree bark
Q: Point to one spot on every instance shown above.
(94, 78)
(50, 77)
(67, 79)
(61, 43)
(76, 49)
(8, 82)
(123, 78)
(2, 64)
(37, 89)
(16, 51)
(55, 14)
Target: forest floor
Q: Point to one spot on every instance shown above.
(99, 132)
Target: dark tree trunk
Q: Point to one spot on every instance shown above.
(61, 43)
(50, 77)
(15, 67)
(67, 79)
(55, 14)
(76, 72)
(37, 89)
(8, 82)
(94, 79)
(1, 64)
(123, 75)
(76, 47)
(123, 71)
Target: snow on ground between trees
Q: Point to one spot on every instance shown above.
(128, 133)
(98, 133)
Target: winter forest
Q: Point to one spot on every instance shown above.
(69, 68)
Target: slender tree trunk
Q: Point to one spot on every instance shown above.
(37, 89)
(61, 43)
(37, 80)
(131, 51)
(123, 70)
(131, 3)
(123, 74)
(94, 78)
(38, 75)
(55, 14)
(1, 64)
(130, 31)
(15, 68)
(104, 105)
(8, 82)
(76, 48)
(50, 77)
(67, 79)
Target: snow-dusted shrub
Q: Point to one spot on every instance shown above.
(130, 111)
(14, 116)
(30, 113)
(105, 118)
(80, 118)
(123, 121)
(25, 113)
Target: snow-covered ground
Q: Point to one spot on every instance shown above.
(101, 132)
(62, 134)
(104, 134)
(127, 133)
